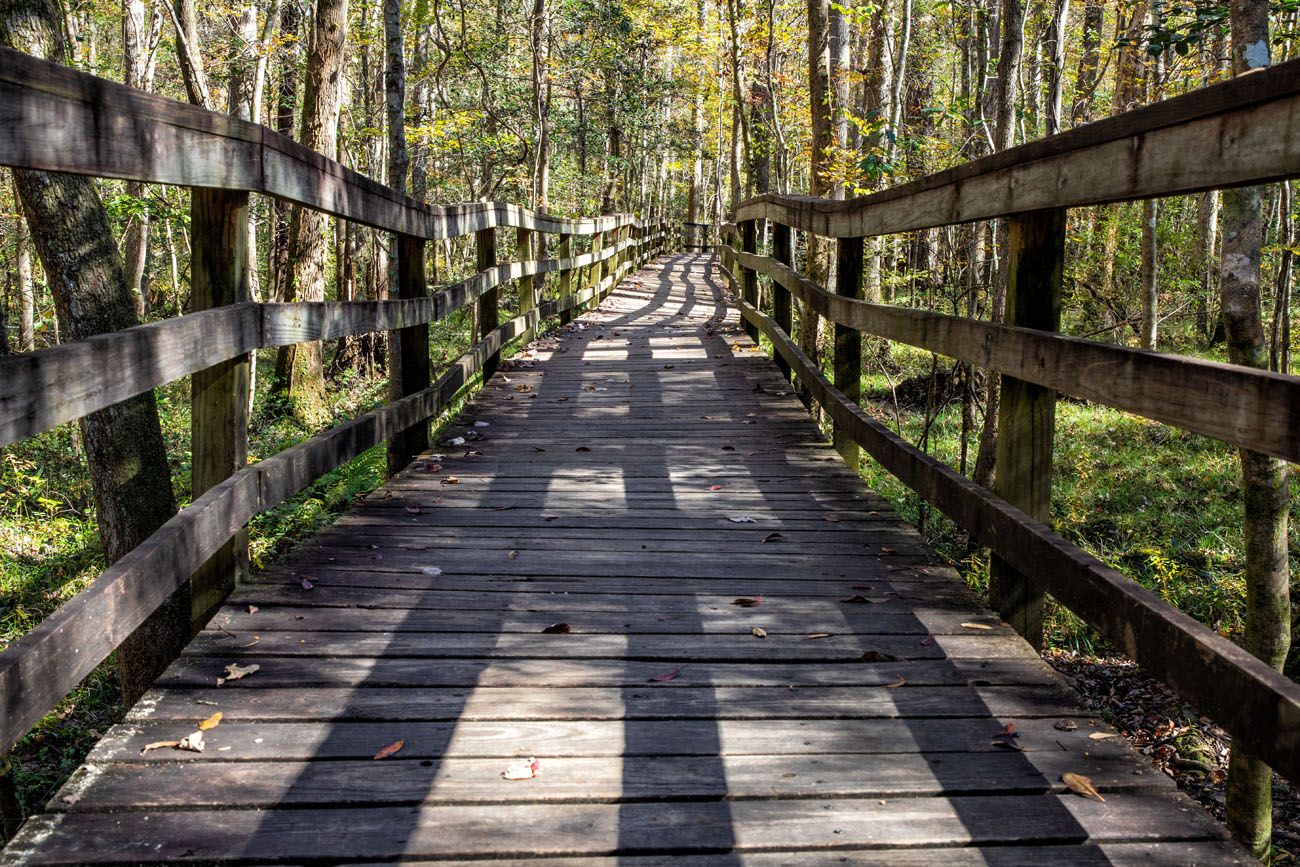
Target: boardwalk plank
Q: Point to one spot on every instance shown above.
(664, 727)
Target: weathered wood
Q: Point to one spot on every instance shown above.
(847, 359)
(219, 395)
(1258, 705)
(1253, 408)
(408, 353)
(782, 251)
(527, 287)
(1035, 258)
(566, 275)
(485, 253)
(748, 278)
(41, 390)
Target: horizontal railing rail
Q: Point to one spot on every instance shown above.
(56, 119)
(1244, 131)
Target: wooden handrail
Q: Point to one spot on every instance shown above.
(41, 390)
(1257, 704)
(58, 119)
(43, 666)
(1243, 131)
(1257, 409)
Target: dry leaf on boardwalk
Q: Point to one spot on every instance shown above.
(431, 571)
(252, 609)
(817, 635)
(878, 656)
(389, 750)
(513, 555)
(525, 770)
(1101, 736)
(159, 745)
(557, 629)
(235, 671)
(716, 487)
(773, 537)
(1081, 785)
(192, 742)
(758, 632)
(414, 509)
(743, 519)
(983, 626)
(857, 599)
(211, 722)
(747, 601)
(307, 582)
(902, 681)
(667, 675)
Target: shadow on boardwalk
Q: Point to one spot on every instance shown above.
(572, 597)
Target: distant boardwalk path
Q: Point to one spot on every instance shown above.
(566, 590)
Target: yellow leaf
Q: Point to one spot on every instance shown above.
(976, 626)
(1081, 785)
(390, 749)
(211, 722)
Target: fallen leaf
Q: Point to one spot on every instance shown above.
(413, 510)
(773, 537)
(192, 742)
(830, 519)
(927, 641)
(159, 745)
(1008, 731)
(667, 675)
(557, 629)
(983, 626)
(1101, 736)
(482, 424)
(456, 441)
(253, 609)
(742, 519)
(747, 601)
(72, 799)
(387, 751)
(728, 448)
(1081, 785)
(758, 631)
(235, 671)
(1066, 725)
(816, 635)
(513, 555)
(211, 722)
(582, 449)
(525, 770)
(857, 599)
(451, 480)
(431, 571)
(896, 684)
(716, 487)
(878, 656)
(307, 583)
(1009, 745)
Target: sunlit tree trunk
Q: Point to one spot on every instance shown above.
(1263, 478)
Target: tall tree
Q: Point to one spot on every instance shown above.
(141, 30)
(1264, 480)
(124, 445)
(299, 369)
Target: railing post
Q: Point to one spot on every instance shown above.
(748, 278)
(1035, 257)
(219, 394)
(485, 247)
(848, 341)
(783, 252)
(408, 353)
(528, 284)
(566, 276)
(595, 271)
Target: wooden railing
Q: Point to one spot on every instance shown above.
(1245, 131)
(56, 119)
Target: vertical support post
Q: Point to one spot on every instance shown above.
(528, 284)
(748, 278)
(596, 273)
(783, 252)
(408, 353)
(219, 394)
(485, 249)
(566, 276)
(1027, 416)
(848, 341)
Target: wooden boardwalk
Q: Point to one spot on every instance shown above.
(572, 588)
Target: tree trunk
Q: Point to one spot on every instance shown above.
(817, 265)
(1149, 274)
(299, 369)
(1263, 479)
(1207, 228)
(141, 30)
(1280, 345)
(1085, 83)
(189, 52)
(124, 445)
(1056, 69)
(26, 284)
